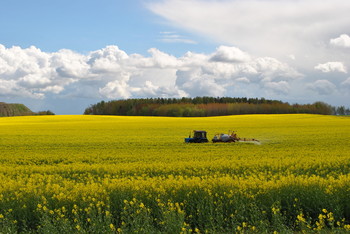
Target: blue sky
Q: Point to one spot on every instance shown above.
(88, 25)
(78, 25)
(64, 55)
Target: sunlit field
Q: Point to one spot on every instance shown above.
(64, 174)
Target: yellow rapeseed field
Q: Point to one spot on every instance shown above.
(104, 174)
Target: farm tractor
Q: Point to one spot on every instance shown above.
(231, 137)
(198, 137)
(201, 137)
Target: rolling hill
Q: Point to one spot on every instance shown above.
(14, 109)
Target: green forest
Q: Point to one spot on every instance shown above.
(207, 106)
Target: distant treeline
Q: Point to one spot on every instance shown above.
(341, 110)
(204, 106)
(15, 109)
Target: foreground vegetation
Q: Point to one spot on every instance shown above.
(105, 174)
(207, 106)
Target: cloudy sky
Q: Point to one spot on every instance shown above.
(64, 55)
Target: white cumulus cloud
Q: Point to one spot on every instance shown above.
(331, 67)
(341, 41)
(115, 90)
(111, 73)
(230, 55)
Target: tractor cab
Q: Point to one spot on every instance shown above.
(198, 137)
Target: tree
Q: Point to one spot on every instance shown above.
(341, 110)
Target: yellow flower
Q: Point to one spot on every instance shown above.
(111, 226)
(301, 218)
(275, 210)
(330, 217)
